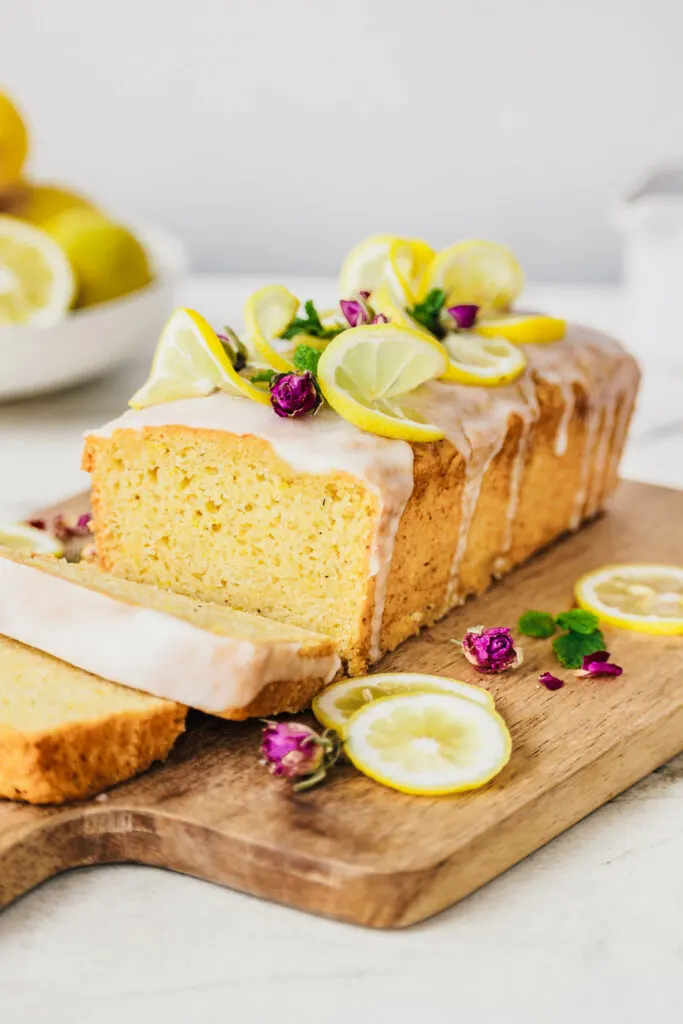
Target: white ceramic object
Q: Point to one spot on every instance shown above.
(90, 341)
(651, 221)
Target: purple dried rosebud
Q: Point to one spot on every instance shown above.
(491, 650)
(292, 749)
(365, 295)
(355, 311)
(550, 681)
(380, 318)
(464, 315)
(82, 527)
(294, 394)
(598, 664)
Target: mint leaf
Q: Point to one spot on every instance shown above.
(571, 648)
(578, 621)
(310, 324)
(538, 624)
(427, 311)
(306, 358)
(263, 377)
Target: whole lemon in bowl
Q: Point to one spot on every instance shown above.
(13, 143)
(107, 259)
(38, 204)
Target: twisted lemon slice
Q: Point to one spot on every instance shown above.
(483, 273)
(400, 261)
(267, 315)
(487, 362)
(367, 374)
(428, 744)
(337, 703)
(407, 264)
(647, 598)
(523, 328)
(190, 362)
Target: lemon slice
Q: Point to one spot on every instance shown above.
(642, 597)
(407, 264)
(20, 537)
(367, 374)
(36, 280)
(487, 362)
(383, 300)
(483, 273)
(335, 705)
(364, 265)
(523, 328)
(428, 744)
(267, 315)
(190, 362)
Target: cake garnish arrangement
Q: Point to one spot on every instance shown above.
(287, 501)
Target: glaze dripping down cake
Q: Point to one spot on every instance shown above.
(318, 524)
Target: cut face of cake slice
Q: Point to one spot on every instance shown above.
(65, 735)
(199, 654)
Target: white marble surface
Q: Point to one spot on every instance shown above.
(589, 925)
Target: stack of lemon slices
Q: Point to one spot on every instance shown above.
(420, 734)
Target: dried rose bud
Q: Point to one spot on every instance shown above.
(550, 681)
(598, 664)
(294, 394)
(464, 315)
(380, 318)
(356, 311)
(365, 295)
(291, 749)
(491, 650)
(38, 524)
(82, 527)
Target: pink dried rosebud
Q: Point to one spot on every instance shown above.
(356, 311)
(550, 681)
(294, 394)
(82, 527)
(464, 315)
(294, 751)
(598, 664)
(380, 318)
(491, 650)
(365, 295)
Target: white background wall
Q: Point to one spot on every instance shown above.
(272, 135)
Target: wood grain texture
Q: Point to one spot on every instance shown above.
(356, 851)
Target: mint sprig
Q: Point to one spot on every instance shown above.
(536, 624)
(571, 648)
(306, 358)
(263, 377)
(427, 311)
(578, 621)
(310, 324)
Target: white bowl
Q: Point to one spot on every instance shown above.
(88, 342)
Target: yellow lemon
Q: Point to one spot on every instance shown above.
(523, 328)
(13, 143)
(483, 273)
(21, 537)
(486, 362)
(36, 280)
(39, 203)
(644, 597)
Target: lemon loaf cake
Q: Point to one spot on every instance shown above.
(206, 656)
(319, 524)
(65, 734)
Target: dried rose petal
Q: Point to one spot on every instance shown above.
(550, 681)
(355, 311)
(365, 295)
(38, 524)
(491, 650)
(294, 394)
(380, 318)
(464, 315)
(598, 664)
(292, 749)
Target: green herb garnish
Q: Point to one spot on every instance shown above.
(306, 358)
(571, 648)
(538, 624)
(263, 377)
(310, 324)
(578, 621)
(427, 311)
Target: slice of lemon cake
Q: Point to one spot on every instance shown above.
(202, 655)
(65, 734)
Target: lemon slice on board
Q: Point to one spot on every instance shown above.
(428, 744)
(483, 273)
(21, 537)
(337, 703)
(190, 362)
(642, 597)
(268, 313)
(367, 375)
(523, 328)
(487, 362)
(37, 284)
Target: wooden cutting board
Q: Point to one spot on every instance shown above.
(356, 851)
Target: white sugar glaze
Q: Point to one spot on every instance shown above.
(475, 420)
(142, 648)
